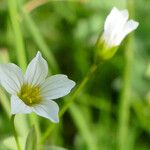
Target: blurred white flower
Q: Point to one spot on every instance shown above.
(33, 92)
(117, 26)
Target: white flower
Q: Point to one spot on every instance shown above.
(117, 27)
(33, 92)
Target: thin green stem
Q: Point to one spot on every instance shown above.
(79, 89)
(91, 71)
(20, 50)
(15, 133)
(71, 99)
(124, 106)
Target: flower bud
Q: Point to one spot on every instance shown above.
(116, 28)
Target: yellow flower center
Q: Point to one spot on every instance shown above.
(30, 95)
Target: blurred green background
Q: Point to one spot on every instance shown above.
(65, 31)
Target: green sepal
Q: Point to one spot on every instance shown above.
(104, 52)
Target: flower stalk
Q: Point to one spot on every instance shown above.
(14, 132)
(79, 88)
(70, 100)
(124, 105)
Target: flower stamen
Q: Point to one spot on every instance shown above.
(30, 94)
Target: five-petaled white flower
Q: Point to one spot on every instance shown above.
(117, 26)
(33, 92)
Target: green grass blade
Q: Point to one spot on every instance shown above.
(20, 49)
(37, 37)
(83, 127)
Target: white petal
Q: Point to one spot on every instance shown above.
(56, 86)
(117, 27)
(18, 106)
(128, 27)
(48, 109)
(116, 19)
(114, 24)
(11, 77)
(37, 70)
(125, 13)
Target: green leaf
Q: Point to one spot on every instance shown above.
(31, 142)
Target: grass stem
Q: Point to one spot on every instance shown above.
(125, 98)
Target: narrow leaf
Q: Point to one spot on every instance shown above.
(31, 142)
